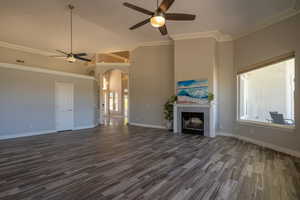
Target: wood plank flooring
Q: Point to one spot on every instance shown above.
(122, 163)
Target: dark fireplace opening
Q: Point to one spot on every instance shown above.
(193, 122)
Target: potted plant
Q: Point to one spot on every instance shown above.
(211, 97)
(168, 111)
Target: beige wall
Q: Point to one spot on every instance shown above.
(40, 61)
(151, 83)
(27, 102)
(195, 59)
(254, 48)
(226, 86)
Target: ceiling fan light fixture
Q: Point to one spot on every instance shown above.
(71, 59)
(158, 20)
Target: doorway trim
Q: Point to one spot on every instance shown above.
(55, 103)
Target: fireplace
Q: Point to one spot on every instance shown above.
(192, 122)
(188, 117)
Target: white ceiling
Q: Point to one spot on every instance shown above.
(102, 25)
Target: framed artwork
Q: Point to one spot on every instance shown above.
(192, 91)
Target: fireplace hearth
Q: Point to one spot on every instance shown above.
(193, 122)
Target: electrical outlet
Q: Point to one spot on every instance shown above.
(252, 131)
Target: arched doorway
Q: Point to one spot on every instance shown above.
(114, 95)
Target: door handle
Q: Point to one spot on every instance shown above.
(70, 110)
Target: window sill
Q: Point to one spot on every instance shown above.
(267, 125)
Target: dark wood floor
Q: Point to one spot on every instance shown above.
(122, 163)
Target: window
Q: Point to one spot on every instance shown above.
(266, 94)
(111, 101)
(116, 102)
(105, 84)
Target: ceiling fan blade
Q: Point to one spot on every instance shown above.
(80, 54)
(139, 9)
(165, 5)
(84, 59)
(140, 24)
(163, 30)
(180, 17)
(62, 52)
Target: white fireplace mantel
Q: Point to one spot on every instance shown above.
(209, 109)
(194, 105)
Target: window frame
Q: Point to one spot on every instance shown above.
(239, 120)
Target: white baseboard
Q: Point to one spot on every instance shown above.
(4, 137)
(147, 125)
(11, 136)
(263, 144)
(84, 127)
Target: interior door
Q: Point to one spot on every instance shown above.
(64, 103)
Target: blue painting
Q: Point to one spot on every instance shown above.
(192, 91)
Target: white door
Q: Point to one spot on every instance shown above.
(64, 100)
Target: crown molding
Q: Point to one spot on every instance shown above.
(156, 43)
(25, 49)
(217, 35)
(270, 21)
(113, 64)
(40, 70)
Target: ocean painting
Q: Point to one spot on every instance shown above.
(192, 91)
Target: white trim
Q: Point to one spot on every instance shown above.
(3, 137)
(156, 43)
(113, 64)
(12, 136)
(217, 35)
(193, 105)
(25, 49)
(269, 22)
(40, 70)
(84, 127)
(262, 144)
(266, 125)
(147, 125)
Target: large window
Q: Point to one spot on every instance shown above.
(266, 94)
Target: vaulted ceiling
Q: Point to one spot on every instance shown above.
(102, 25)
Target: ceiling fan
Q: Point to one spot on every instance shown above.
(72, 57)
(159, 16)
